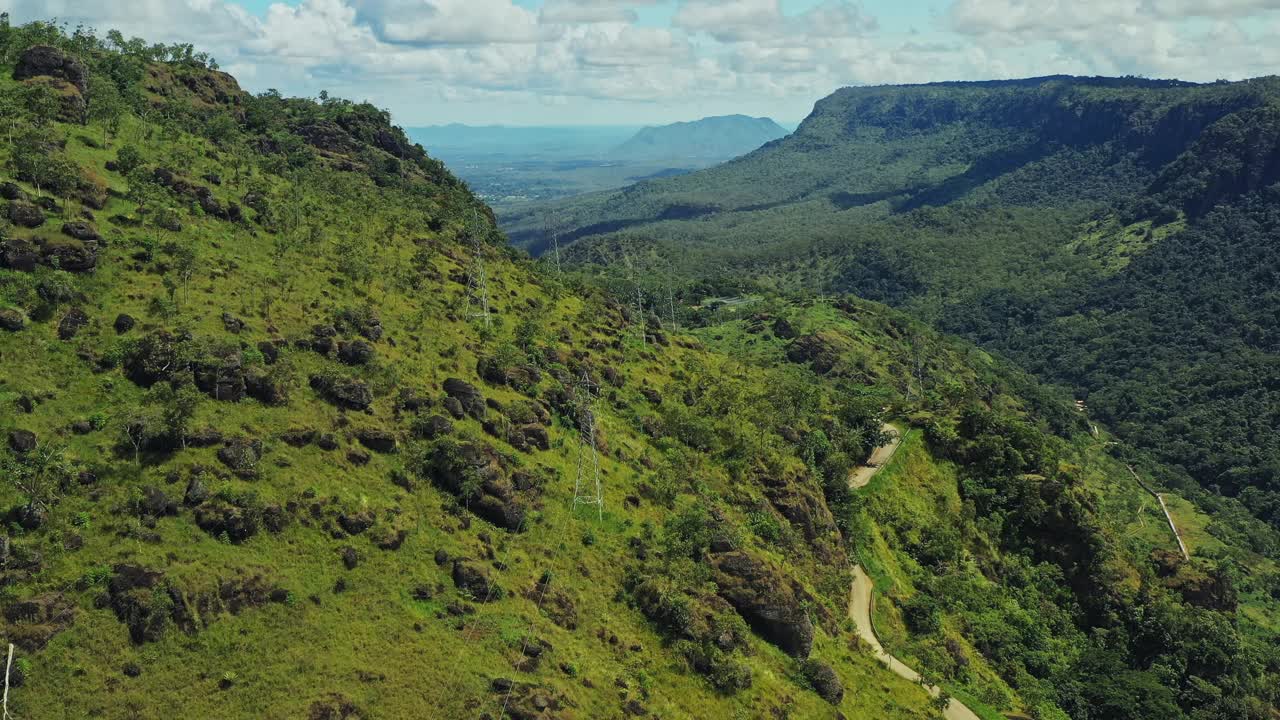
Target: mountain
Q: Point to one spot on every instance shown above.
(290, 432)
(711, 138)
(1108, 233)
(563, 143)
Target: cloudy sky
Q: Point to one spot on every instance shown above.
(530, 62)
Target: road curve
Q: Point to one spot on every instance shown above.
(861, 475)
(860, 600)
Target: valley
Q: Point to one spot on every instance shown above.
(301, 419)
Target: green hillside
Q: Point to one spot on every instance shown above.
(291, 432)
(1115, 236)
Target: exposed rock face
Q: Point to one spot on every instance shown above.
(467, 395)
(350, 393)
(770, 603)
(19, 254)
(474, 474)
(48, 61)
(72, 323)
(22, 441)
(25, 214)
(473, 579)
(83, 231)
(70, 255)
(137, 596)
(822, 351)
(381, 441)
(242, 456)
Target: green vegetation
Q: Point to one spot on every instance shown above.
(262, 461)
(1110, 235)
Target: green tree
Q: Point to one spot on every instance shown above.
(37, 475)
(42, 103)
(106, 106)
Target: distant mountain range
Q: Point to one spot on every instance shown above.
(720, 138)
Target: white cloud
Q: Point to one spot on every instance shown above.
(442, 59)
(447, 22)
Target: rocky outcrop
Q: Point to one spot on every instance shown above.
(467, 396)
(48, 61)
(772, 604)
(349, 393)
(12, 320)
(476, 476)
(25, 214)
(72, 322)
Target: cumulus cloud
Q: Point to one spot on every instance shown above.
(420, 57)
(447, 22)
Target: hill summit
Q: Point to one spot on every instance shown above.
(720, 138)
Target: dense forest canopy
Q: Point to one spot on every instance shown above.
(1115, 235)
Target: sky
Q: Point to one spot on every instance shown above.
(635, 62)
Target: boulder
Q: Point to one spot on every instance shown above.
(70, 255)
(19, 254)
(217, 518)
(22, 441)
(467, 395)
(382, 441)
(474, 580)
(72, 323)
(357, 522)
(82, 231)
(12, 320)
(25, 214)
(155, 503)
(242, 455)
(124, 323)
(771, 604)
(196, 492)
(49, 61)
(356, 352)
(299, 437)
(432, 427)
(222, 379)
(350, 393)
(11, 191)
(232, 323)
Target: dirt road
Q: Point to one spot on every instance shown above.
(861, 602)
(862, 474)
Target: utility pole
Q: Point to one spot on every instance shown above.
(588, 473)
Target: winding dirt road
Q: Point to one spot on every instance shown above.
(861, 602)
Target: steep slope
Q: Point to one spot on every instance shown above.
(267, 456)
(711, 138)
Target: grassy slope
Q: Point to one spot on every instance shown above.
(372, 642)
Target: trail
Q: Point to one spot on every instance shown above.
(1167, 515)
(861, 602)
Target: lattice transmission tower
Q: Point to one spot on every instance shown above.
(587, 485)
(477, 277)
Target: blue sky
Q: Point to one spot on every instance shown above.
(527, 62)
